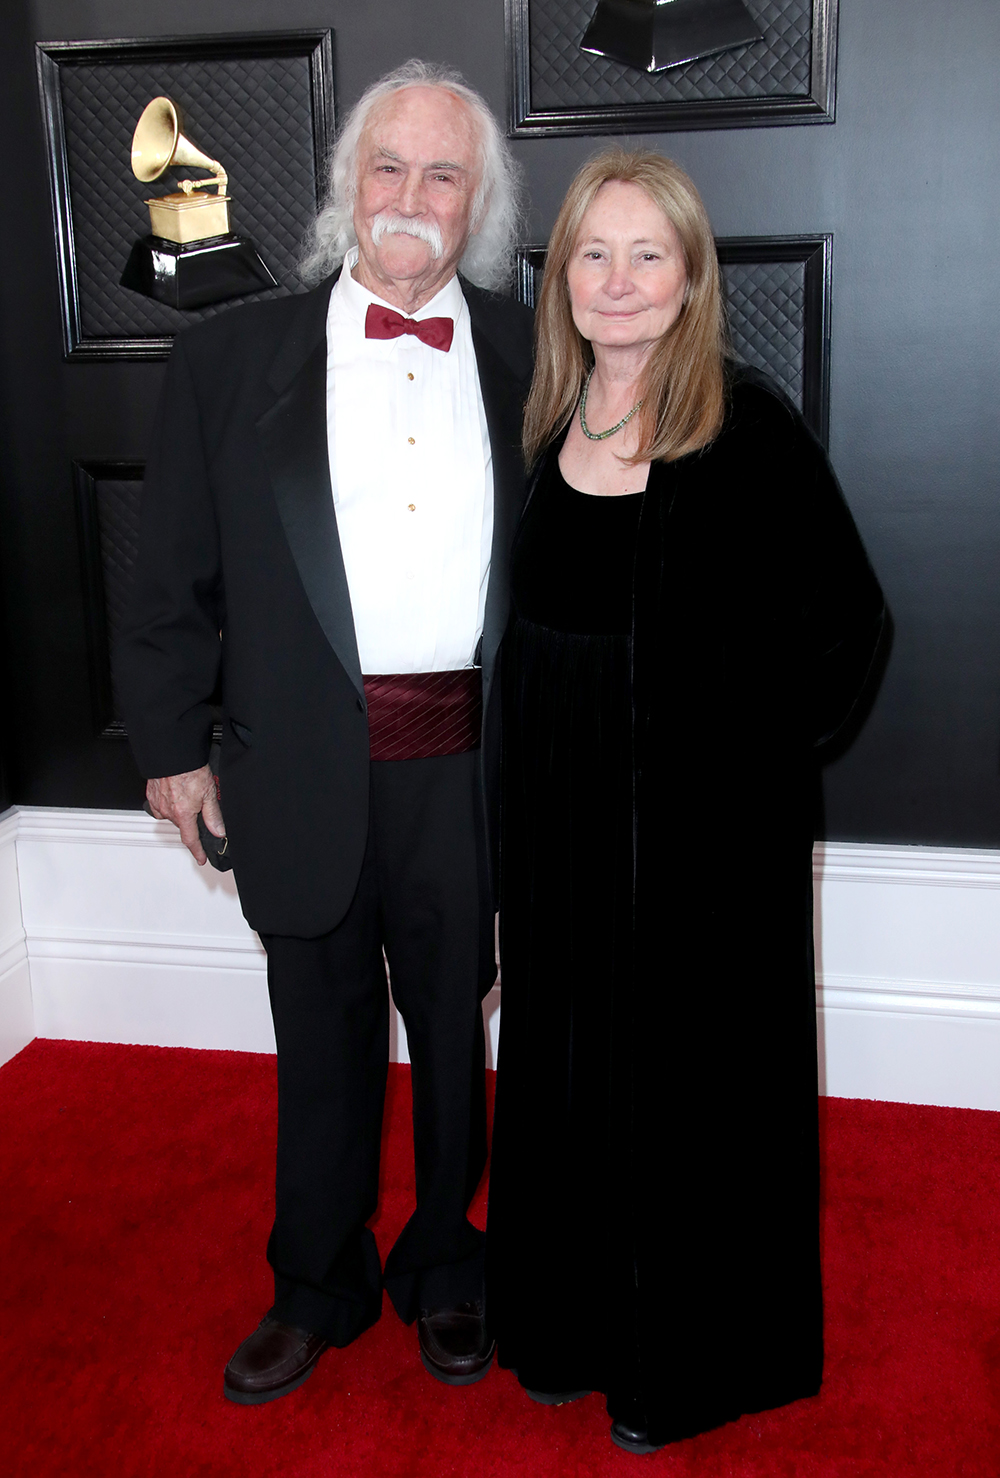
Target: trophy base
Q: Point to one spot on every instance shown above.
(197, 273)
(652, 37)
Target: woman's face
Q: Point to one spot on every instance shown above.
(626, 274)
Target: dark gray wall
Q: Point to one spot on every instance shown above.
(906, 180)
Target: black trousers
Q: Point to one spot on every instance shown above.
(423, 896)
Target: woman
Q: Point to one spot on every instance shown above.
(692, 614)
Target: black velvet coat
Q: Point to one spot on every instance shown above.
(755, 620)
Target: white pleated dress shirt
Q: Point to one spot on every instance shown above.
(412, 477)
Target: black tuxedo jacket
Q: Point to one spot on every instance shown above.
(241, 596)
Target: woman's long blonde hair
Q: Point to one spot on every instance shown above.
(683, 385)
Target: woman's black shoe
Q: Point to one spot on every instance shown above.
(554, 1398)
(633, 1439)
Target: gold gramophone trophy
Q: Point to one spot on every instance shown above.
(191, 258)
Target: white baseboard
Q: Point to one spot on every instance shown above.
(116, 935)
(16, 1014)
(16, 1021)
(92, 883)
(908, 970)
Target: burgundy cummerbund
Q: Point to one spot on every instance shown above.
(417, 715)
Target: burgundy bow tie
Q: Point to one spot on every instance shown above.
(386, 323)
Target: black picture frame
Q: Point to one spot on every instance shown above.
(813, 255)
(53, 58)
(763, 107)
(87, 477)
(106, 568)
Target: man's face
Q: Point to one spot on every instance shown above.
(418, 169)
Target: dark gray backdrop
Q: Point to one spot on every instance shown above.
(907, 181)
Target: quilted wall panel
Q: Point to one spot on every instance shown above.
(262, 104)
(767, 304)
(252, 114)
(114, 507)
(118, 524)
(108, 496)
(563, 76)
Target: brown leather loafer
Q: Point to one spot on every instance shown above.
(454, 1345)
(273, 1361)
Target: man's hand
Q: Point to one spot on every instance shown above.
(179, 798)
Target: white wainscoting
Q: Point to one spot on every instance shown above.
(908, 968)
(125, 939)
(16, 1017)
(129, 940)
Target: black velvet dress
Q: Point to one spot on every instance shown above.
(675, 662)
(566, 920)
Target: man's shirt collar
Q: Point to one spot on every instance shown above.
(355, 300)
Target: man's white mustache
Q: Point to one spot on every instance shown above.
(387, 223)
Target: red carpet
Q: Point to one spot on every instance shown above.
(136, 1202)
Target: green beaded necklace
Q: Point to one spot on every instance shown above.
(600, 435)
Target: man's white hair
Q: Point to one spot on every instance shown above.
(489, 256)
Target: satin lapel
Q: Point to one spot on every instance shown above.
(503, 403)
(293, 438)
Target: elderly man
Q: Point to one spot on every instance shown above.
(330, 499)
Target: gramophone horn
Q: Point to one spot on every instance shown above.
(159, 141)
